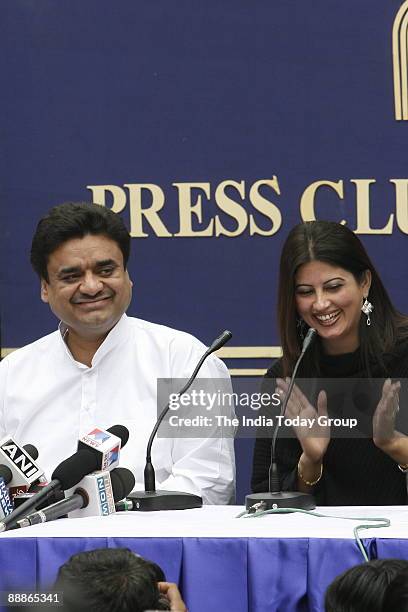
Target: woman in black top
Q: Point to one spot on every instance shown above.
(328, 282)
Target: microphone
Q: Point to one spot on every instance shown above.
(21, 493)
(6, 505)
(21, 462)
(95, 495)
(105, 445)
(31, 450)
(275, 498)
(8, 495)
(65, 476)
(122, 481)
(150, 499)
(5, 474)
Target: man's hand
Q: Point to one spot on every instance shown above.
(170, 590)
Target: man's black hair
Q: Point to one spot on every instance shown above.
(396, 594)
(75, 220)
(362, 588)
(110, 580)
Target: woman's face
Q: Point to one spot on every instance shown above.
(330, 299)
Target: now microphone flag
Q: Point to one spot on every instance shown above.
(99, 491)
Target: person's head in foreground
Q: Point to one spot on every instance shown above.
(396, 594)
(362, 588)
(328, 282)
(115, 580)
(80, 252)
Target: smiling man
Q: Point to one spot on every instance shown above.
(101, 367)
(88, 288)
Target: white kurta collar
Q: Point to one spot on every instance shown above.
(116, 336)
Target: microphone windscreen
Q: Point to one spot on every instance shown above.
(6, 474)
(121, 432)
(73, 469)
(221, 340)
(122, 481)
(31, 450)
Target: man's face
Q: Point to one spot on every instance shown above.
(88, 287)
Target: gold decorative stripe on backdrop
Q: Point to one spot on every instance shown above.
(247, 371)
(400, 62)
(230, 352)
(249, 352)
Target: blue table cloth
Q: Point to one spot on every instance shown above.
(232, 574)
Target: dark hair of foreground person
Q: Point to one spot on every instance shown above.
(362, 588)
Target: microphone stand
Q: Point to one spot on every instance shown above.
(150, 499)
(275, 498)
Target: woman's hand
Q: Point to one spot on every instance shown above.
(314, 439)
(384, 434)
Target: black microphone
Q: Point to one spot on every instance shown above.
(21, 493)
(123, 482)
(31, 450)
(65, 476)
(121, 479)
(275, 498)
(105, 444)
(95, 495)
(6, 474)
(13, 482)
(25, 473)
(21, 461)
(150, 499)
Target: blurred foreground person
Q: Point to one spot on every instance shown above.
(115, 580)
(396, 594)
(362, 588)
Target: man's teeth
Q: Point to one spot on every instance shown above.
(327, 317)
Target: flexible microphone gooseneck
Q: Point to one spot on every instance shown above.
(150, 499)
(275, 498)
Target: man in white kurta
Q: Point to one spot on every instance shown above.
(101, 367)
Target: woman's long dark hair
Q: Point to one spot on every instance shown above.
(338, 246)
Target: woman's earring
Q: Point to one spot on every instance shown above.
(367, 308)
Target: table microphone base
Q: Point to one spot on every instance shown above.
(281, 499)
(148, 501)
